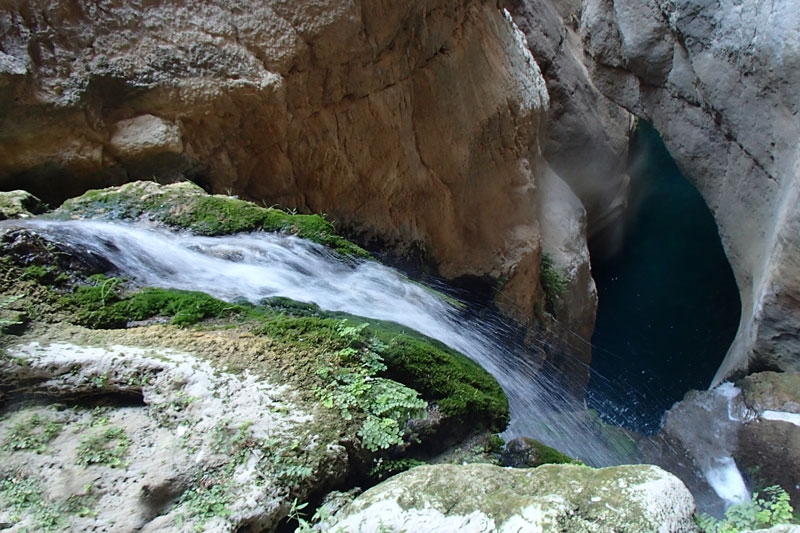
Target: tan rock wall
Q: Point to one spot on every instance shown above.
(413, 123)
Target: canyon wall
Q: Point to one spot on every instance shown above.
(417, 127)
(719, 81)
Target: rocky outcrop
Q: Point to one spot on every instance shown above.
(478, 498)
(752, 428)
(587, 134)
(155, 439)
(769, 442)
(718, 81)
(19, 204)
(416, 125)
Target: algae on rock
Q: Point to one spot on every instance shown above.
(186, 206)
(483, 498)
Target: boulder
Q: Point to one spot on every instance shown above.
(480, 497)
(769, 443)
(20, 204)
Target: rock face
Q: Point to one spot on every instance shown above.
(478, 498)
(587, 134)
(753, 427)
(415, 124)
(719, 82)
(769, 443)
(167, 441)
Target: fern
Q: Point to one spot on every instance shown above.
(385, 404)
(771, 509)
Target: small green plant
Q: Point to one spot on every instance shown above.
(553, 282)
(304, 525)
(23, 495)
(767, 508)
(32, 434)
(355, 387)
(205, 501)
(388, 467)
(105, 446)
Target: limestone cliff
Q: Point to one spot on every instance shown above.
(587, 134)
(719, 81)
(415, 124)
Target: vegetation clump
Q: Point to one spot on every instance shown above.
(554, 283)
(354, 383)
(462, 390)
(100, 305)
(105, 446)
(187, 206)
(32, 434)
(765, 509)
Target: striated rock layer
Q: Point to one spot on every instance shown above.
(719, 81)
(415, 124)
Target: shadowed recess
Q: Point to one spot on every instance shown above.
(668, 302)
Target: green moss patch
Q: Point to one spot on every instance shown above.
(100, 305)
(462, 389)
(187, 206)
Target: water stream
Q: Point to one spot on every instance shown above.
(255, 266)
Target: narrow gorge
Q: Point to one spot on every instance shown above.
(196, 196)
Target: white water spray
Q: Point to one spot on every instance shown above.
(255, 266)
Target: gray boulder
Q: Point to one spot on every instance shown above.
(480, 497)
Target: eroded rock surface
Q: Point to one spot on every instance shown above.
(482, 498)
(587, 134)
(719, 82)
(125, 438)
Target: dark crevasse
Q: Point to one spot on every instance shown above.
(668, 302)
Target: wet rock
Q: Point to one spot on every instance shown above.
(769, 443)
(524, 452)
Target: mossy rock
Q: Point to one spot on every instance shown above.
(524, 452)
(480, 497)
(99, 306)
(187, 206)
(464, 391)
(20, 204)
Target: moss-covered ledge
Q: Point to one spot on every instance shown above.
(186, 206)
(461, 390)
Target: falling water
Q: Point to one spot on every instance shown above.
(256, 266)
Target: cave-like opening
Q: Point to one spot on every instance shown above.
(668, 302)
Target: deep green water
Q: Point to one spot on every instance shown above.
(668, 302)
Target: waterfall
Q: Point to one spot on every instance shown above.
(260, 265)
(252, 267)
